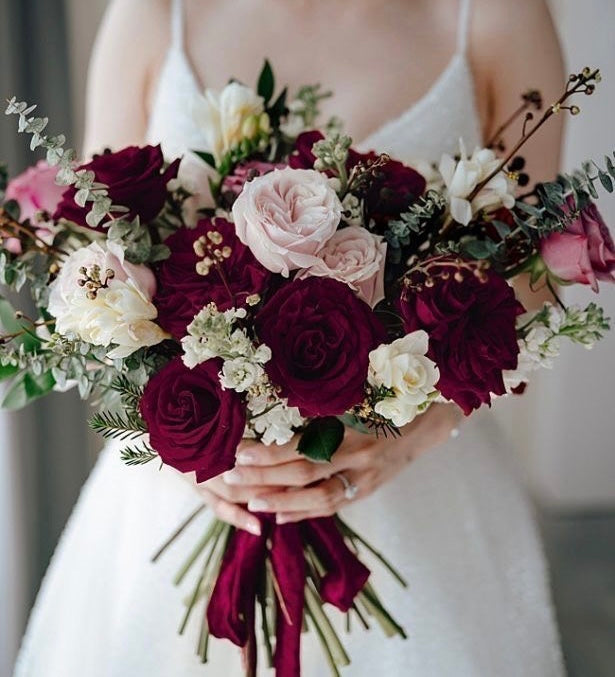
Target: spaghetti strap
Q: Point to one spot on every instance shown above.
(463, 28)
(177, 24)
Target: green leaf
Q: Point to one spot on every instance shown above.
(9, 324)
(479, 249)
(7, 371)
(266, 82)
(321, 438)
(278, 107)
(610, 166)
(606, 181)
(502, 228)
(26, 388)
(208, 158)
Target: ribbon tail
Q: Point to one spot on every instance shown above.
(288, 563)
(346, 575)
(230, 612)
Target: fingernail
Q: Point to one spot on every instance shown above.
(245, 458)
(253, 527)
(232, 477)
(281, 519)
(257, 504)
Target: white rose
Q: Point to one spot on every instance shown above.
(119, 311)
(399, 410)
(240, 374)
(286, 216)
(461, 178)
(403, 367)
(228, 116)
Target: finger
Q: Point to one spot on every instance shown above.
(232, 513)
(258, 454)
(235, 493)
(293, 474)
(325, 496)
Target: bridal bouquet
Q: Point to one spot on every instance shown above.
(323, 287)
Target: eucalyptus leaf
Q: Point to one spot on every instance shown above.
(321, 438)
(479, 249)
(26, 388)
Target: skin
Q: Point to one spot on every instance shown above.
(363, 50)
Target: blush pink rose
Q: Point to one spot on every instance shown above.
(584, 252)
(35, 190)
(286, 216)
(356, 257)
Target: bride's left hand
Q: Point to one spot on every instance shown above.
(307, 489)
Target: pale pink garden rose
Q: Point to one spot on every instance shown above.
(286, 216)
(356, 257)
(584, 252)
(35, 191)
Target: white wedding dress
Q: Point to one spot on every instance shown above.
(455, 521)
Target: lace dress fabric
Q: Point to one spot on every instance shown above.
(455, 521)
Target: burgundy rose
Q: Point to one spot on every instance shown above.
(395, 186)
(472, 335)
(584, 252)
(135, 177)
(193, 423)
(182, 292)
(320, 335)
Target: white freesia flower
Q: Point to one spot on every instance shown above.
(403, 367)
(229, 116)
(461, 178)
(117, 310)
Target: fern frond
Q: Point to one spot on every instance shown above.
(138, 455)
(117, 426)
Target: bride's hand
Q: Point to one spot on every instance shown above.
(279, 480)
(227, 501)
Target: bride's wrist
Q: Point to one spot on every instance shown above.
(439, 423)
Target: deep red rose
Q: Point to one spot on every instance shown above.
(193, 423)
(136, 179)
(472, 335)
(395, 186)
(582, 253)
(320, 335)
(182, 292)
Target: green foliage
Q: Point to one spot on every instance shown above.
(266, 82)
(26, 388)
(138, 454)
(11, 325)
(321, 438)
(137, 241)
(127, 426)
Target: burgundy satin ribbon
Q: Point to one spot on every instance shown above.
(230, 613)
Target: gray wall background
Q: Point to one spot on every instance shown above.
(567, 455)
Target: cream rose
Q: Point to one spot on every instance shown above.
(286, 216)
(461, 178)
(229, 116)
(116, 309)
(356, 257)
(403, 368)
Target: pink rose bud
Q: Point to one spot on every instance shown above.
(35, 190)
(584, 252)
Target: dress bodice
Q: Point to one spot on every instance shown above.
(431, 126)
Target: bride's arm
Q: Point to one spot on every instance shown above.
(131, 43)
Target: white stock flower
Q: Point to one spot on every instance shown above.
(240, 374)
(120, 311)
(403, 367)
(277, 424)
(228, 116)
(462, 176)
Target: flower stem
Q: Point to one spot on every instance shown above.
(214, 531)
(177, 533)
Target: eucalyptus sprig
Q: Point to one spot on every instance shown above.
(84, 181)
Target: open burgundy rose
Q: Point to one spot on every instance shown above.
(320, 335)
